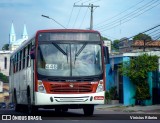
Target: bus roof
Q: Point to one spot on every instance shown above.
(67, 30)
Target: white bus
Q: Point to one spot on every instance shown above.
(59, 69)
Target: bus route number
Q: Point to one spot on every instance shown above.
(51, 66)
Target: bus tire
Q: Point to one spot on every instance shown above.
(88, 110)
(30, 108)
(17, 106)
(57, 109)
(65, 109)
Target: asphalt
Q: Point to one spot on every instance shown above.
(152, 109)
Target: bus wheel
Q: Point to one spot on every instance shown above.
(88, 110)
(64, 109)
(17, 106)
(57, 109)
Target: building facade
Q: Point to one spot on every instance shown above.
(4, 62)
(13, 44)
(125, 88)
(138, 45)
(108, 44)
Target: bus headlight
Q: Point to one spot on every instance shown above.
(99, 88)
(41, 87)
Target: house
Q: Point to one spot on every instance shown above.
(4, 62)
(4, 93)
(5, 59)
(138, 45)
(125, 87)
(108, 44)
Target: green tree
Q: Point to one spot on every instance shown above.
(5, 47)
(137, 69)
(3, 78)
(104, 38)
(142, 36)
(115, 45)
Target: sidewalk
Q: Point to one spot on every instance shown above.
(153, 109)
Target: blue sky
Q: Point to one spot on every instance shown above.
(106, 17)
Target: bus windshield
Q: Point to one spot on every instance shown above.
(69, 60)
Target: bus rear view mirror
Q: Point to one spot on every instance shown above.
(106, 55)
(32, 52)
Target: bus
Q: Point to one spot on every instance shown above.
(59, 69)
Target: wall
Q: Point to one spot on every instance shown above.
(128, 87)
(1, 86)
(4, 54)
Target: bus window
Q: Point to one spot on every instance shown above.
(24, 57)
(28, 55)
(17, 62)
(20, 60)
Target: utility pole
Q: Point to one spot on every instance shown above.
(91, 6)
(144, 46)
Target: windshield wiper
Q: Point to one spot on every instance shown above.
(61, 50)
(79, 51)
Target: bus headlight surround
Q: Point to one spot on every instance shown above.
(41, 88)
(99, 88)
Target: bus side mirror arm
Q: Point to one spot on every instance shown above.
(32, 52)
(106, 55)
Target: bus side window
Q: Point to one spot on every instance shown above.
(17, 62)
(28, 56)
(20, 60)
(14, 64)
(106, 54)
(11, 66)
(24, 58)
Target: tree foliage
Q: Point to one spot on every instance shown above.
(3, 78)
(104, 38)
(115, 44)
(142, 36)
(137, 70)
(5, 47)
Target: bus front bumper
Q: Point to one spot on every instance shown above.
(60, 99)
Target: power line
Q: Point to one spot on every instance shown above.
(70, 17)
(108, 36)
(132, 17)
(151, 29)
(131, 14)
(76, 17)
(140, 32)
(154, 35)
(119, 13)
(154, 31)
(144, 39)
(72, 12)
(146, 31)
(89, 6)
(83, 18)
(158, 37)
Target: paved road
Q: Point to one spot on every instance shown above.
(75, 115)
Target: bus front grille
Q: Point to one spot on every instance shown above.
(70, 87)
